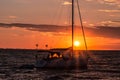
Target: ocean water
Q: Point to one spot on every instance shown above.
(102, 65)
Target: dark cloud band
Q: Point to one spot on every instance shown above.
(98, 31)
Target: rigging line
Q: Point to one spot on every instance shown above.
(81, 22)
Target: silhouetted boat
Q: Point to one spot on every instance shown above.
(69, 58)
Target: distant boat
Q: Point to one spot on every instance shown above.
(64, 59)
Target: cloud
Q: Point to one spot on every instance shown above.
(117, 21)
(67, 3)
(12, 17)
(108, 2)
(112, 1)
(109, 11)
(34, 27)
(108, 22)
(104, 31)
(112, 22)
(97, 31)
(89, 0)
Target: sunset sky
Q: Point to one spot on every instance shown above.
(48, 22)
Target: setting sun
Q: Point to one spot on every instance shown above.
(76, 43)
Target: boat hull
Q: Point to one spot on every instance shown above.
(62, 64)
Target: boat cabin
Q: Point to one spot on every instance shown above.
(55, 55)
(49, 55)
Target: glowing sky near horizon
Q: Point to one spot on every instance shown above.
(56, 12)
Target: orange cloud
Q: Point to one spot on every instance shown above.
(89, 0)
(112, 2)
(106, 10)
(67, 3)
(12, 17)
(109, 2)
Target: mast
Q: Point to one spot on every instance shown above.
(72, 26)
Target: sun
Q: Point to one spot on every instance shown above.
(76, 43)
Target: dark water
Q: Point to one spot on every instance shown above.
(103, 65)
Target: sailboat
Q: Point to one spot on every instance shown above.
(70, 60)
